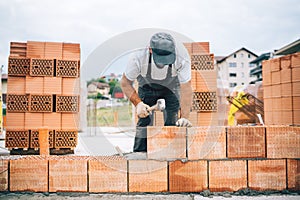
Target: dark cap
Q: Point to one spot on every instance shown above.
(163, 48)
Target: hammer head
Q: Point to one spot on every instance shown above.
(161, 104)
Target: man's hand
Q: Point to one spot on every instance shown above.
(142, 110)
(183, 122)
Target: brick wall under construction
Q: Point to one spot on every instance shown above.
(281, 85)
(43, 91)
(179, 159)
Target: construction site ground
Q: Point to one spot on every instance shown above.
(103, 141)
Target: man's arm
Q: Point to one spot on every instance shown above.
(129, 90)
(186, 95)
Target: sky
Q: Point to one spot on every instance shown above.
(258, 25)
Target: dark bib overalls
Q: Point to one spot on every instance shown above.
(150, 90)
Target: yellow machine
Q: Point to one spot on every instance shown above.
(237, 102)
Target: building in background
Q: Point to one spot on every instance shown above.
(4, 87)
(257, 70)
(234, 69)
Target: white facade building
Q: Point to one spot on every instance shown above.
(234, 70)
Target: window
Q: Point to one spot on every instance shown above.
(232, 84)
(234, 55)
(249, 56)
(232, 74)
(242, 55)
(243, 75)
(242, 65)
(232, 64)
(243, 83)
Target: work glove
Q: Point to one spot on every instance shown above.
(142, 110)
(183, 122)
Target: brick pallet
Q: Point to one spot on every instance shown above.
(43, 90)
(217, 172)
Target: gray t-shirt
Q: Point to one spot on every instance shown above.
(138, 65)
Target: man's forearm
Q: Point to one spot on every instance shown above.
(186, 95)
(129, 91)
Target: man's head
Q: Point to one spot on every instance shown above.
(163, 48)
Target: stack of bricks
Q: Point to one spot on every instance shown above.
(43, 91)
(281, 83)
(261, 158)
(204, 84)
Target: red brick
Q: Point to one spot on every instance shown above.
(33, 120)
(200, 48)
(287, 117)
(246, 142)
(206, 142)
(208, 118)
(29, 174)
(70, 86)
(188, 177)
(166, 142)
(267, 92)
(15, 120)
(268, 103)
(71, 51)
(266, 66)
(227, 175)
(295, 60)
(3, 175)
(296, 103)
(275, 77)
(276, 90)
(286, 103)
(52, 85)
(286, 89)
(275, 64)
(53, 50)
(68, 174)
(34, 85)
(267, 174)
(296, 116)
(293, 169)
(188, 47)
(268, 117)
(277, 117)
(70, 121)
(285, 62)
(16, 85)
(148, 176)
(296, 88)
(283, 142)
(286, 76)
(35, 49)
(296, 74)
(108, 174)
(52, 120)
